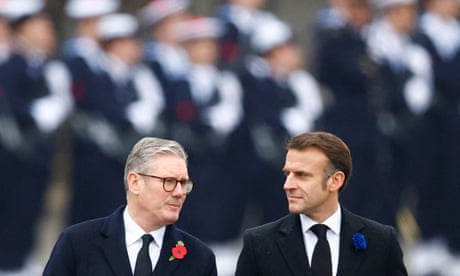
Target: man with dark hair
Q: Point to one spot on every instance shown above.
(319, 237)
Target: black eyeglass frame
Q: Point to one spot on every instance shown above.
(186, 184)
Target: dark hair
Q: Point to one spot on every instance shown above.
(332, 146)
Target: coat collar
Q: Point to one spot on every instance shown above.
(349, 258)
(164, 266)
(114, 248)
(292, 246)
(113, 244)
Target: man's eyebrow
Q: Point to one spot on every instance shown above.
(296, 171)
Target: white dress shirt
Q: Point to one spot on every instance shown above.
(333, 236)
(133, 237)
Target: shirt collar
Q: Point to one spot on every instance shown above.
(134, 232)
(333, 222)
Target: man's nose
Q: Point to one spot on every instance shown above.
(179, 190)
(288, 182)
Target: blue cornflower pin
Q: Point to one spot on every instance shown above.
(359, 241)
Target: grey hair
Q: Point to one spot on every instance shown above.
(142, 156)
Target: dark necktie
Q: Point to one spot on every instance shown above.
(321, 259)
(143, 263)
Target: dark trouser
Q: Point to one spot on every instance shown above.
(23, 184)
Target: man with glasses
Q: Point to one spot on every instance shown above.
(139, 238)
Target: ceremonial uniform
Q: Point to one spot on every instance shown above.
(278, 103)
(238, 24)
(406, 85)
(114, 107)
(35, 102)
(205, 112)
(349, 77)
(440, 36)
(163, 54)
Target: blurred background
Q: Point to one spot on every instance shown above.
(82, 80)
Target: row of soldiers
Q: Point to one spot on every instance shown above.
(35, 100)
(103, 90)
(231, 89)
(391, 69)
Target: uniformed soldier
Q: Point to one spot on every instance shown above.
(281, 99)
(439, 33)
(238, 17)
(208, 111)
(332, 17)
(116, 106)
(82, 52)
(349, 77)
(37, 101)
(406, 85)
(163, 53)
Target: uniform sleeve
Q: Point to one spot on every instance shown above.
(144, 113)
(50, 111)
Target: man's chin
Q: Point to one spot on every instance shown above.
(294, 210)
(171, 219)
(172, 216)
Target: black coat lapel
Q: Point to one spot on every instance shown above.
(164, 265)
(291, 244)
(113, 244)
(349, 258)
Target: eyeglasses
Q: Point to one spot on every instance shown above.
(170, 183)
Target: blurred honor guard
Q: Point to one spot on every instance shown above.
(207, 112)
(406, 84)
(280, 99)
(334, 16)
(349, 77)
(82, 50)
(239, 17)
(5, 59)
(163, 53)
(330, 18)
(439, 34)
(117, 106)
(36, 101)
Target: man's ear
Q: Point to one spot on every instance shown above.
(336, 181)
(133, 182)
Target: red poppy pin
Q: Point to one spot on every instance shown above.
(178, 252)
